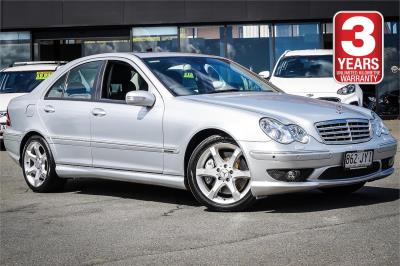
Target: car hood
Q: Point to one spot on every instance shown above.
(285, 107)
(303, 86)
(5, 99)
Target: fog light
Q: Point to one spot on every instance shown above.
(387, 163)
(293, 175)
(290, 175)
(391, 162)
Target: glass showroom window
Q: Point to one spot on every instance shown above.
(155, 39)
(203, 40)
(105, 46)
(249, 45)
(327, 35)
(296, 37)
(387, 91)
(14, 47)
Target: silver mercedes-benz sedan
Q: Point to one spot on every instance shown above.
(194, 122)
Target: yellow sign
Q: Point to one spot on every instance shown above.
(188, 75)
(146, 39)
(41, 75)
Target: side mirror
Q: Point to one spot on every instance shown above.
(140, 98)
(265, 74)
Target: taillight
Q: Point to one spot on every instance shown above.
(8, 120)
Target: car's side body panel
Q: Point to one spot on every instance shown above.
(68, 128)
(135, 141)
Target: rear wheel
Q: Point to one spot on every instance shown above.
(38, 166)
(342, 190)
(219, 176)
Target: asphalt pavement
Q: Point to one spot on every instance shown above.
(99, 222)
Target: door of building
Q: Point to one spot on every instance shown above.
(58, 50)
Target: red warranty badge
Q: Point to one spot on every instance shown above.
(358, 47)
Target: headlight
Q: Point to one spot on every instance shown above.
(348, 89)
(281, 133)
(378, 126)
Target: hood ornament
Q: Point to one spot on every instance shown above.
(339, 109)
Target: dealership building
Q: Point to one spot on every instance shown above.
(253, 33)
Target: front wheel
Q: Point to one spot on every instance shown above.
(342, 190)
(218, 175)
(38, 166)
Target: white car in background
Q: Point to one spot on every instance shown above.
(19, 79)
(309, 73)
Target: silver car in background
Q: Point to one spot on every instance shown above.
(193, 122)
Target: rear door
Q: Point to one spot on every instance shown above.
(66, 110)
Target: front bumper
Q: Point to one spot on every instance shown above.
(263, 156)
(2, 126)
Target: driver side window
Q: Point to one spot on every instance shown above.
(119, 79)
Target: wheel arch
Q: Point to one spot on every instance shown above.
(25, 139)
(195, 141)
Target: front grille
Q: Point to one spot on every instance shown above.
(330, 99)
(339, 172)
(344, 131)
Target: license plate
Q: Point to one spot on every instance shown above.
(358, 159)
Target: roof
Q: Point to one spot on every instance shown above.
(35, 67)
(169, 54)
(309, 52)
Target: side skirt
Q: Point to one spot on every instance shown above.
(72, 171)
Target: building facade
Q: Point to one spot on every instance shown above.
(253, 33)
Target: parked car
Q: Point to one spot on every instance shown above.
(195, 122)
(309, 73)
(19, 79)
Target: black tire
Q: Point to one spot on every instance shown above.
(343, 190)
(2, 147)
(51, 181)
(242, 204)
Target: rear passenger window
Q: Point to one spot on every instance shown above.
(78, 83)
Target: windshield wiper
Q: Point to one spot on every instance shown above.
(221, 91)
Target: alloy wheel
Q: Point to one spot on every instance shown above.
(36, 165)
(222, 173)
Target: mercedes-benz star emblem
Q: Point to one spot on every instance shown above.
(339, 109)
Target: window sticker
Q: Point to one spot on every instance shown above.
(42, 75)
(188, 75)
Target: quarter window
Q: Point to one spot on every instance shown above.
(57, 90)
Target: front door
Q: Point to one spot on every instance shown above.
(126, 137)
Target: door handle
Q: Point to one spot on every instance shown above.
(98, 112)
(49, 109)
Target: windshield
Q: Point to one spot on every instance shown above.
(21, 81)
(187, 75)
(315, 66)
